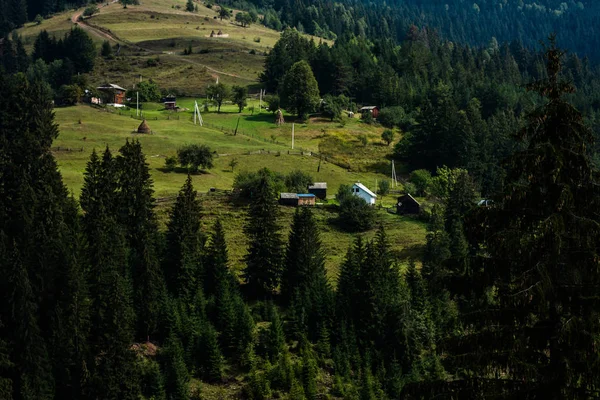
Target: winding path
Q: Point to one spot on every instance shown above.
(79, 21)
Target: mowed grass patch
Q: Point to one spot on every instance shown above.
(406, 235)
(99, 128)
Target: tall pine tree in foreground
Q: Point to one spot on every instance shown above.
(538, 335)
(184, 244)
(136, 216)
(265, 250)
(304, 280)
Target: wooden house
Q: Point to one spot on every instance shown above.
(373, 110)
(297, 199)
(407, 205)
(170, 102)
(319, 189)
(115, 94)
(360, 190)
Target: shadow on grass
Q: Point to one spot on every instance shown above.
(181, 170)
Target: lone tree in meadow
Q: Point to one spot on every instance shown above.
(218, 93)
(300, 92)
(224, 13)
(240, 93)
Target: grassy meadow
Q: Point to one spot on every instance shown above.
(84, 128)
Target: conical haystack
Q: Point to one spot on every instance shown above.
(279, 117)
(144, 127)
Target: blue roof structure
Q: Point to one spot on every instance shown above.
(306, 195)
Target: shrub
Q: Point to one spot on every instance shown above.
(106, 50)
(38, 19)
(298, 182)
(388, 136)
(355, 214)
(246, 182)
(273, 102)
(384, 187)
(170, 163)
(257, 39)
(421, 178)
(391, 117)
(90, 10)
(194, 156)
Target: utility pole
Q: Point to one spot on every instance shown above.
(137, 104)
(292, 136)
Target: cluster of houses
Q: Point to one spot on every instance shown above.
(405, 205)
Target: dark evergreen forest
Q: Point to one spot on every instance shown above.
(97, 302)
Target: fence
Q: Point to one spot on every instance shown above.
(231, 131)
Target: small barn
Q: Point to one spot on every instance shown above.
(144, 128)
(114, 93)
(407, 205)
(295, 199)
(306, 199)
(319, 189)
(288, 199)
(170, 102)
(360, 190)
(373, 110)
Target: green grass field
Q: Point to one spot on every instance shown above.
(84, 128)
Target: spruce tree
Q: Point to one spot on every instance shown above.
(304, 276)
(265, 250)
(175, 371)
(112, 364)
(184, 239)
(535, 335)
(208, 354)
(137, 217)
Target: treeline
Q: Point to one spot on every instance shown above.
(474, 23)
(98, 303)
(59, 63)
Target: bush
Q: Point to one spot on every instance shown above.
(384, 187)
(388, 136)
(90, 10)
(298, 182)
(170, 163)
(106, 50)
(391, 117)
(273, 102)
(246, 182)
(69, 95)
(421, 178)
(194, 156)
(38, 19)
(355, 214)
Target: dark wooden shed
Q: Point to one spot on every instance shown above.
(407, 205)
(288, 199)
(319, 189)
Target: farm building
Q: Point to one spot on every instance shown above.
(319, 189)
(170, 102)
(115, 93)
(407, 205)
(360, 190)
(373, 110)
(296, 199)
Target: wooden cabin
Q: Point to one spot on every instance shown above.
(170, 102)
(297, 199)
(373, 110)
(319, 189)
(115, 93)
(407, 205)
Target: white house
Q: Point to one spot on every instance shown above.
(360, 190)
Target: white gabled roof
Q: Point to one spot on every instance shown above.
(364, 188)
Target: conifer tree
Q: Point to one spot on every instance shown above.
(265, 250)
(217, 263)
(152, 381)
(184, 244)
(39, 247)
(537, 334)
(304, 277)
(136, 215)
(208, 354)
(112, 364)
(273, 338)
(175, 371)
